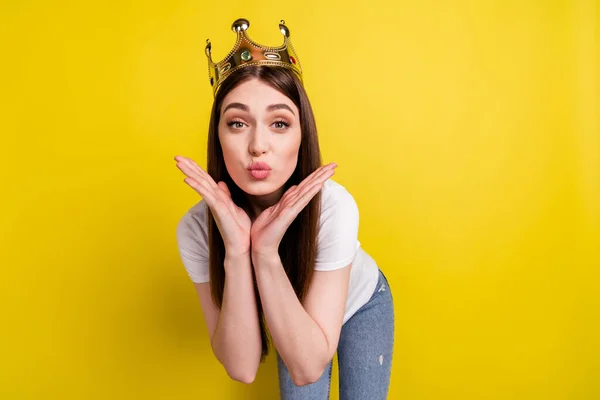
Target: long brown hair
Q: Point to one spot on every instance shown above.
(298, 248)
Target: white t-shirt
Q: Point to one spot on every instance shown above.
(337, 244)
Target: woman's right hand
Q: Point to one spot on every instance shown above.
(232, 221)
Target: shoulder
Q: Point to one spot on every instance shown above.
(193, 226)
(339, 211)
(337, 240)
(336, 200)
(192, 240)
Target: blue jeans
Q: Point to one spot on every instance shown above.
(364, 354)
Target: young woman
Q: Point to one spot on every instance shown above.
(275, 239)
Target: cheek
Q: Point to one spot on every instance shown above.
(228, 151)
(231, 155)
(291, 150)
(230, 148)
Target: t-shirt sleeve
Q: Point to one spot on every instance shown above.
(337, 240)
(192, 240)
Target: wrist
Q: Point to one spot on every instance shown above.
(237, 253)
(261, 256)
(236, 263)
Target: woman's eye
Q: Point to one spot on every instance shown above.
(281, 124)
(236, 124)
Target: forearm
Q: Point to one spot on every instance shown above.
(299, 340)
(237, 340)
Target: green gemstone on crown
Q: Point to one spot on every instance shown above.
(246, 55)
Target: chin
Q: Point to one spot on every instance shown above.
(257, 188)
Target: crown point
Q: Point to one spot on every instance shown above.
(240, 24)
(284, 29)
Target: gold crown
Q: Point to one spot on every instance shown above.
(247, 52)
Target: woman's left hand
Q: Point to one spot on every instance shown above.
(270, 226)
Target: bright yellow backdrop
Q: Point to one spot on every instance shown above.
(468, 133)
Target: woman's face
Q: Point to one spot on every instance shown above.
(259, 124)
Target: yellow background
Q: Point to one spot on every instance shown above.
(468, 133)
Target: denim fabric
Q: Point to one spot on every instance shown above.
(364, 354)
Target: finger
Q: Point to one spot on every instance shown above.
(316, 173)
(190, 168)
(303, 200)
(202, 189)
(197, 169)
(214, 200)
(205, 185)
(188, 161)
(289, 209)
(292, 196)
(320, 170)
(320, 180)
(225, 195)
(192, 172)
(224, 187)
(216, 191)
(222, 193)
(309, 191)
(291, 190)
(288, 213)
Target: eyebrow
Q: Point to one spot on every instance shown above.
(272, 107)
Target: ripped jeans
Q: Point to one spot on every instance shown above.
(364, 355)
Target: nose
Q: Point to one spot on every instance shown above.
(258, 142)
